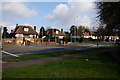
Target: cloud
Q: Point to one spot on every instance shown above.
(7, 24)
(13, 11)
(16, 10)
(79, 13)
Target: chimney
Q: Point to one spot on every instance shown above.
(61, 30)
(35, 28)
(12, 31)
(16, 25)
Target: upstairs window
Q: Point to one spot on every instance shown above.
(26, 29)
(19, 35)
(56, 32)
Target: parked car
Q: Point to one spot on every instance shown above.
(117, 41)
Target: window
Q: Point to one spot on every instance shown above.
(8, 41)
(19, 35)
(56, 32)
(34, 36)
(32, 41)
(19, 42)
(26, 29)
(31, 35)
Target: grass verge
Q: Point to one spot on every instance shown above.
(98, 66)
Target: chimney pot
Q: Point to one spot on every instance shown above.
(16, 25)
(35, 28)
(61, 30)
(11, 31)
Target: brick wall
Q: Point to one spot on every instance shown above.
(8, 41)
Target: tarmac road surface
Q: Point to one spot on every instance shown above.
(47, 50)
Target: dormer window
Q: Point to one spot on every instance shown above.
(56, 32)
(26, 29)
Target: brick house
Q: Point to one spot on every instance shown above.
(8, 41)
(78, 35)
(55, 33)
(24, 35)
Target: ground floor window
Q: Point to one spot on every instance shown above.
(19, 42)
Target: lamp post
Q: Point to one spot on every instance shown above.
(70, 37)
(97, 39)
(49, 38)
(75, 30)
(55, 35)
(74, 35)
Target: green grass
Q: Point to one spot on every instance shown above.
(98, 66)
(36, 56)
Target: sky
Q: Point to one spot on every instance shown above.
(47, 14)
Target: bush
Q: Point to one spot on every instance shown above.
(86, 40)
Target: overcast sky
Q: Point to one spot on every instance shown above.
(48, 14)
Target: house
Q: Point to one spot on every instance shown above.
(56, 33)
(93, 34)
(83, 34)
(24, 35)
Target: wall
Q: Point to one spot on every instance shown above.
(8, 41)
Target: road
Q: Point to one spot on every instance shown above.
(32, 50)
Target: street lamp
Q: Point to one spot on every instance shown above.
(74, 35)
(70, 37)
(97, 39)
(49, 38)
(75, 30)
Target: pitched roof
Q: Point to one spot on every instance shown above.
(20, 30)
(86, 34)
(54, 33)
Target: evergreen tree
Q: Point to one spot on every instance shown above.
(42, 32)
(5, 33)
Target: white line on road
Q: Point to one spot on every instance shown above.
(10, 54)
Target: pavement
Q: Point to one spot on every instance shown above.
(30, 50)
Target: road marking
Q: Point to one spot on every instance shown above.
(10, 54)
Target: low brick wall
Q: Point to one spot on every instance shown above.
(8, 41)
(13, 42)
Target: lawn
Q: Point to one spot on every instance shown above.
(36, 56)
(98, 66)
